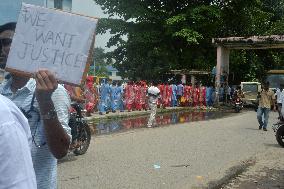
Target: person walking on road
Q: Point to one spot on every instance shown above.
(266, 101)
(153, 93)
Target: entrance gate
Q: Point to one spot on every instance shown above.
(224, 45)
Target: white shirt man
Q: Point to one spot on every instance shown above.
(16, 167)
(280, 95)
(280, 99)
(153, 93)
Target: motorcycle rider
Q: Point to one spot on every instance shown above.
(238, 93)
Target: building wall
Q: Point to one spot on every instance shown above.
(9, 9)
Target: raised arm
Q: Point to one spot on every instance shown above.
(57, 138)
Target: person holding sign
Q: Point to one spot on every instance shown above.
(45, 103)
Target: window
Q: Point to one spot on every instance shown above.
(58, 4)
(252, 88)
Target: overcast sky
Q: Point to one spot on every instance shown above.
(89, 7)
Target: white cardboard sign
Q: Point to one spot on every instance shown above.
(54, 40)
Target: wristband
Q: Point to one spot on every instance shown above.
(51, 114)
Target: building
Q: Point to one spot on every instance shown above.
(9, 10)
(59, 4)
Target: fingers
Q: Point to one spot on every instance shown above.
(46, 81)
(40, 84)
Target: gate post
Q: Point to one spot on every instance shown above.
(223, 55)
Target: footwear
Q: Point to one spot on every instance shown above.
(260, 127)
(264, 129)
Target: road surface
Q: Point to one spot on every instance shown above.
(203, 154)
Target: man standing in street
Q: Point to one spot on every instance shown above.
(266, 101)
(16, 167)
(153, 93)
(46, 105)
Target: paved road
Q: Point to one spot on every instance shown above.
(180, 156)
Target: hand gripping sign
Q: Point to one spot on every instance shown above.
(55, 40)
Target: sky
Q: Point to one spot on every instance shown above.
(90, 8)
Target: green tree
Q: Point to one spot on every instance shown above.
(99, 64)
(163, 35)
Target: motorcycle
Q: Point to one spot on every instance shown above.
(80, 131)
(238, 104)
(279, 133)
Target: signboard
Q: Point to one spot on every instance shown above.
(51, 39)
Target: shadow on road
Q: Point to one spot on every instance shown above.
(69, 157)
(254, 129)
(273, 145)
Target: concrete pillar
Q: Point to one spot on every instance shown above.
(192, 80)
(223, 55)
(183, 78)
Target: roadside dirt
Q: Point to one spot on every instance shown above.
(266, 173)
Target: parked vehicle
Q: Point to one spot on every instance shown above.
(250, 90)
(80, 130)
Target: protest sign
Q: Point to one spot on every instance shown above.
(50, 39)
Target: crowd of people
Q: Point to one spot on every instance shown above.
(130, 96)
(112, 96)
(35, 130)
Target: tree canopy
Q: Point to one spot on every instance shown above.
(163, 35)
(99, 66)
